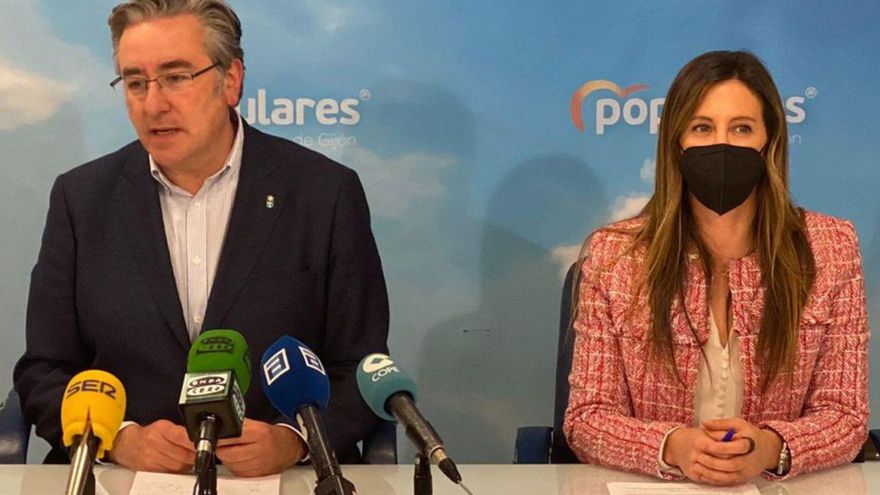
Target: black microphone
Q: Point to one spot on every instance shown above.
(295, 383)
(391, 393)
(212, 397)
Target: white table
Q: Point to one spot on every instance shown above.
(506, 479)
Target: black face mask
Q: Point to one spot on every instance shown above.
(721, 176)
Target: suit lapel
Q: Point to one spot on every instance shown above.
(137, 202)
(253, 215)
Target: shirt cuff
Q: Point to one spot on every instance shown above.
(106, 459)
(301, 431)
(662, 466)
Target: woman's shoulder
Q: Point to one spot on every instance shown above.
(828, 233)
(616, 235)
(607, 243)
(834, 244)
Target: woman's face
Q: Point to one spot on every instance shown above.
(729, 113)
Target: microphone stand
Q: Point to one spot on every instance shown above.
(81, 480)
(422, 481)
(208, 478)
(330, 479)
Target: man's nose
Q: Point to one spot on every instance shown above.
(155, 101)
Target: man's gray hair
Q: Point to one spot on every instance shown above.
(222, 27)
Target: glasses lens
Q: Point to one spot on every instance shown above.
(135, 86)
(176, 81)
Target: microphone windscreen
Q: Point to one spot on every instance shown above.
(378, 378)
(221, 350)
(293, 377)
(97, 397)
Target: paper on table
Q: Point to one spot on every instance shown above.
(620, 488)
(10, 485)
(182, 484)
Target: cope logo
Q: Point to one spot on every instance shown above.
(636, 111)
(276, 366)
(378, 366)
(206, 385)
(99, 386)
(216, 344)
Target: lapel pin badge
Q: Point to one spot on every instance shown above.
(270, 201)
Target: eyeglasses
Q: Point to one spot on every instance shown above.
(172, 82)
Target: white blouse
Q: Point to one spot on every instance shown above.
(719, 392)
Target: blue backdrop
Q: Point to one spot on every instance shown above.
(462, 119)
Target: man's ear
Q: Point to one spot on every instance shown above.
(232, 82)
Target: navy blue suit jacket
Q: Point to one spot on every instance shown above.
(103, 293)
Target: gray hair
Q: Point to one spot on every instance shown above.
(222, 27)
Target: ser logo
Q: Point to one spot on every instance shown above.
(637, 111)
(99, 386)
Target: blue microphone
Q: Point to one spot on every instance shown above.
(296, 383)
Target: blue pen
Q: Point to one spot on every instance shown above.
(729, 435)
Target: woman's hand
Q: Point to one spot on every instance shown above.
(768, 443)
(703, 457)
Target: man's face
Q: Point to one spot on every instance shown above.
(183, 130)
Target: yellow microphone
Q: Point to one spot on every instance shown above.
(91, 412)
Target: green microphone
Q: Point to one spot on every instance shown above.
(218, 374)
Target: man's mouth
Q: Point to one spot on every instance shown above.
(164, 131)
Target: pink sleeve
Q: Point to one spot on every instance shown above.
(833, 425)
(599, 422)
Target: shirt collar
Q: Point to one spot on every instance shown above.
(233, 160)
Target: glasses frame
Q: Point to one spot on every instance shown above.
(192, 76)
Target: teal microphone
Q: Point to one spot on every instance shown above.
(391, 394)
(212, 397)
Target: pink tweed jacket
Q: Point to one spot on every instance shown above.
(620, 408)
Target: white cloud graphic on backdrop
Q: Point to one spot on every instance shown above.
(27, 42)
(27, 98)
(646, 173)
(628, 206)
(622, 208)
(564, 256)
(41, 73)
(409, 179)
(331, 17)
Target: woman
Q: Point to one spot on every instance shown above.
(721, 333)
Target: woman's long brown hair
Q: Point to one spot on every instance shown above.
(668, 230)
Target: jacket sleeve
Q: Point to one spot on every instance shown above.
(356, 316)
(833, 425)
(599, 422)
(54, 350)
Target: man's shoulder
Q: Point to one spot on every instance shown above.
(105, 167)
(296, 160)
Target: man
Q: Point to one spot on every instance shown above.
(202, 223)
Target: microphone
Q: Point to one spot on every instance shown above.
(295, 383)
(91, 412)
(218, 375)
(391, 394)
